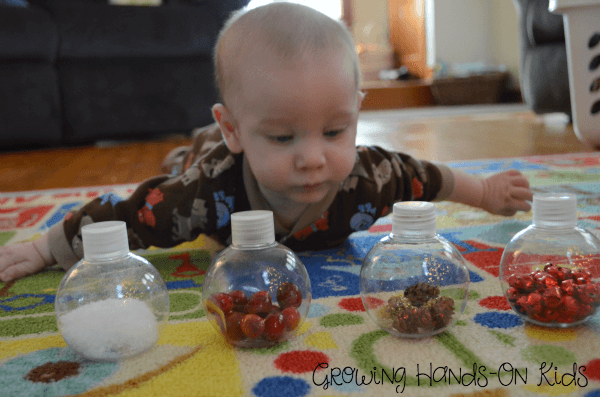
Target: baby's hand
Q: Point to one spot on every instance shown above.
(19, 260)
(506, 193)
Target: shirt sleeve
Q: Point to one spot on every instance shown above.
(163, 211)
(398, 176)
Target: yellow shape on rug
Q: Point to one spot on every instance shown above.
(321, 340)
(550, 334)
(212, 371)
(28, 345)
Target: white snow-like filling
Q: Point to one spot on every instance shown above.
(110, 329)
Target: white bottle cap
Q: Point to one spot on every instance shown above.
(555, 210)
(104, 240)
(252, 228)
(413, 218)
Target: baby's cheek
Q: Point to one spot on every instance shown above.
(344, 164)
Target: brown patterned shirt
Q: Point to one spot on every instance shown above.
(167, 210)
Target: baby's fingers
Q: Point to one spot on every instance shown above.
(521, 193)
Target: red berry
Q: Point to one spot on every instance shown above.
(259, 302)
(223, 301)
(274, 327)
(233, 330)
(239, 298)
(289, 295)
(291, 318)
(252, 325)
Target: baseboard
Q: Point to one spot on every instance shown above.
(395, 94)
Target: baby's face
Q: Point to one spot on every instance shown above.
(297, 126)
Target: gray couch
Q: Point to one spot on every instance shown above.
(543, 67)
(78, 71)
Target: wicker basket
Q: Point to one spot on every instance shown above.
(472, 90)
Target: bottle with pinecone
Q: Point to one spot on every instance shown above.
(414, 283)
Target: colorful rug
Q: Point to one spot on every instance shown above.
(338, 351)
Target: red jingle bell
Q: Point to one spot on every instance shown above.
(552, 297)
(567, 287)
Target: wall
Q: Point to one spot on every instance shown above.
(477, 31)
(464, 30)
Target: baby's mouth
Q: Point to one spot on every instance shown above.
(312, 187)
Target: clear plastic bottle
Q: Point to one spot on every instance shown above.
(112, 304)
(550, 271)
(256, 292)
(414, 283)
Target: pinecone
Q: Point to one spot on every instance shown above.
(405, 321)
(423, 320)
(398, 302)
(441, 310)
(419, 293)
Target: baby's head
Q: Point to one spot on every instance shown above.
(289, 81)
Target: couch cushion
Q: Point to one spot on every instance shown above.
(90, 30)
(27, 33)
(544, 27)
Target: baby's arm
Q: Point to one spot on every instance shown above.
(504, 193)
(20, 260)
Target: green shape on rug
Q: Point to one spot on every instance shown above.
(504, 338)
(553, 355)
(363, 353)
(341, 319)
(269, 350)
(28, 325)
(45, 282)
(186, 304)
(181, 265)
(458, 293)
(6, 236)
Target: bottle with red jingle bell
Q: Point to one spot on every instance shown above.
(256, 292)
(550, 271)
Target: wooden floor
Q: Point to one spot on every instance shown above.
(441, 134)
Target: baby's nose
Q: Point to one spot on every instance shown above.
(310, 156)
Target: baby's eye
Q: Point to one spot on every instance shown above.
(280, 138)
(334, 133)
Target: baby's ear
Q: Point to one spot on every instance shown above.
(361, 96)
(228, 127)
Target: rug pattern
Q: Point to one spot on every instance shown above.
(338, 350)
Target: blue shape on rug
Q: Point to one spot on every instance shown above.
(498, 320)
(277, 386)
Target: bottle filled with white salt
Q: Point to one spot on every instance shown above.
(112, 304)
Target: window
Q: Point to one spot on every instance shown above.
(332, 8)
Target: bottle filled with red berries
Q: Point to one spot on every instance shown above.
(414, 283)
(256, 292)
(550, 271)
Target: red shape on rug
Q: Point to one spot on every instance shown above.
(356, 304)
(380, 228)
(488, 261)
(300, 361)
(592, 369)
(495, 302)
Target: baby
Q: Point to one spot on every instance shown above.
(284, 140)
